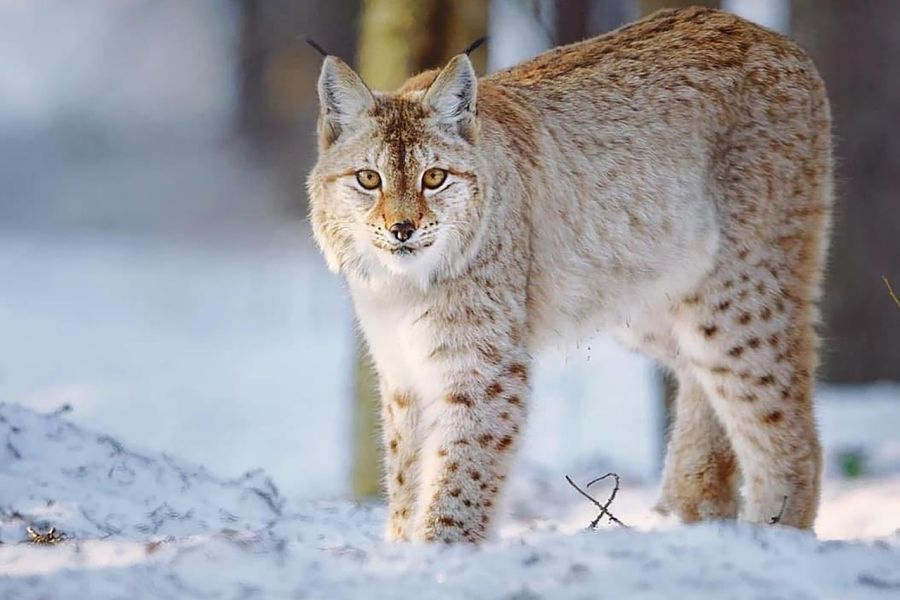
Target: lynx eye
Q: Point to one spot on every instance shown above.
(369, 179)
(434, 178)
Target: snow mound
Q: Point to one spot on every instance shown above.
(88, 485)
(151, 526)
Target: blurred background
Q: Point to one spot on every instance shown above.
(157, 275)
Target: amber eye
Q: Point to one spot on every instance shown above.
(369, 179)
(434, 178)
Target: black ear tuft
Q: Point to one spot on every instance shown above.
(324, 53)
(475, 45)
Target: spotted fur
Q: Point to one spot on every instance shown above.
(669, 183)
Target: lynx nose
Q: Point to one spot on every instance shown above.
(403, 230)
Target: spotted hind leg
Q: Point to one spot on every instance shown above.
(751, 345)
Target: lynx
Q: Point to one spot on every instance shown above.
(668, 183)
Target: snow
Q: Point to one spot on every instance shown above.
(186, 348)
(149, 525)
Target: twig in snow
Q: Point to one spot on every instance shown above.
(891, 290)
(604, 508)
(49, 537)
(777, 518)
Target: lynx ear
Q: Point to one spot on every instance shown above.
(452, 96)
(343, 98)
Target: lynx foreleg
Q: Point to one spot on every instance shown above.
(466, 455)
(399, 410)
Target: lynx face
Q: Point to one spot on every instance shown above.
(396, 189)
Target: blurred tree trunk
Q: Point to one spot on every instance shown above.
(399, 38)
(367, 469)
(572, 21)
(855, 46)
(388, 41)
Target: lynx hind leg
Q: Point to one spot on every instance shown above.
(749, 337)
(701, 476)
(400, 461)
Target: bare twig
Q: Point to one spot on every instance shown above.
(604, 508)
(891, 290)
(612, 496)
(777, 518)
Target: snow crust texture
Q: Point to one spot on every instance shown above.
(147, 525)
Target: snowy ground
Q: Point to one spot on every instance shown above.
(143, 524)
(148, 525)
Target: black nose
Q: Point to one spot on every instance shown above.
(403, 231)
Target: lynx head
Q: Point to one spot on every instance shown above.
(396, 188)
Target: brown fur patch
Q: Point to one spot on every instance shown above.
(447, 521)
(518, 370)
(485, 439)
(773, 417)
(462, 399)
(767, 380)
